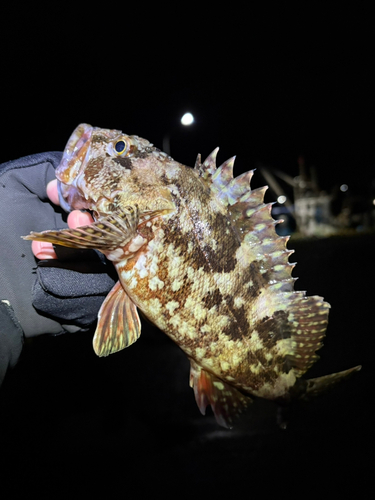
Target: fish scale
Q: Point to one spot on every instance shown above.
(197, 252)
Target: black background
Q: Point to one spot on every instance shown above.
(267, 85)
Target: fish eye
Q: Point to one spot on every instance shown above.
(121, 147)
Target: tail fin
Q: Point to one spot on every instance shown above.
(316, 386)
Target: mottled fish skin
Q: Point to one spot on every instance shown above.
(197, 252)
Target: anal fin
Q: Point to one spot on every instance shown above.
(119, 325)
(226, 401)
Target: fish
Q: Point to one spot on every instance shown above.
(197, 252)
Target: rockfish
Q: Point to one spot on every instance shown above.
(196, 251)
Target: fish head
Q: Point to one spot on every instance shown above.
(103, 168)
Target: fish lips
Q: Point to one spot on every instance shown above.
(72, 162)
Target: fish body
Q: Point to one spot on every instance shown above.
(196, 251)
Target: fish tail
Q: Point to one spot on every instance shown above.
(316, 386)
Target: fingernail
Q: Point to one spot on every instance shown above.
(83, 219)
(46, 251)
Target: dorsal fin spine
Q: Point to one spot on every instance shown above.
(281, 272)
(198, 162)
(255, 196)
(238, 186)
(208, 167)
(224, 174)
(209, 163)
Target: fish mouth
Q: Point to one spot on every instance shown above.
(72, 163)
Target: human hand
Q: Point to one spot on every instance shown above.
(76, 218)
(51, 295)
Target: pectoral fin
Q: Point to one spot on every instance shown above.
(105, 234)
(119, 325)
(226, 401)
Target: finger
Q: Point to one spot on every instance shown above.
(78, 219)
(43, 250)
(52, 192)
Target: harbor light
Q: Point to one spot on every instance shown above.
(187, 119)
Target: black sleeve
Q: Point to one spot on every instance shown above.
(45, 297)
(11, 338)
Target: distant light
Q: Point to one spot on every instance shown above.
(187, 119)
(373, 202)
(281, 199)
(343, 188)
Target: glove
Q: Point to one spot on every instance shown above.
(46, 296)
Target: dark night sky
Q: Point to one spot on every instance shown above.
(265, 86)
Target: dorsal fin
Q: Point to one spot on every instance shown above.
(308, 316)
(250, 216)
(246, 207)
